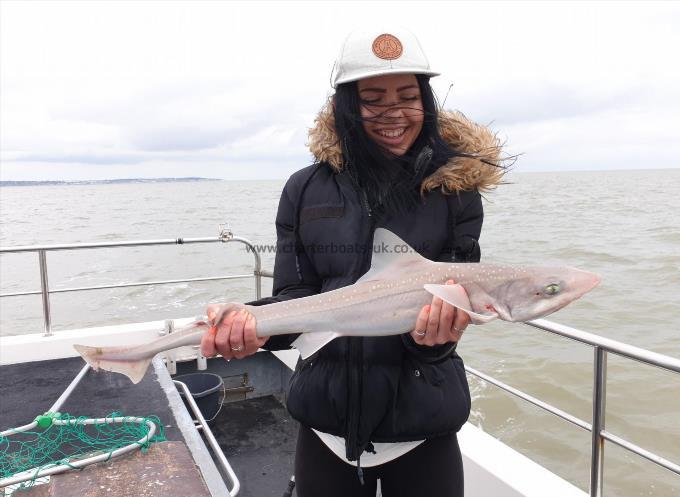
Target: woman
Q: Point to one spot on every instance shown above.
(383, 408)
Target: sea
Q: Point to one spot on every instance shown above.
(623, 225)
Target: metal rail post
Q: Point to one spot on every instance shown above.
(45, 292)
(599, 401)
(258, 276)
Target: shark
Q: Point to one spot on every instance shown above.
(384, 301)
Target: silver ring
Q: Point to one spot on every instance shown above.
(237, 349)
(459, 331)
(419, 333)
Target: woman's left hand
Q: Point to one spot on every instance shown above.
(439, 323)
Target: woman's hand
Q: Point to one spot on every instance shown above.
(439, 323)
(235, 335)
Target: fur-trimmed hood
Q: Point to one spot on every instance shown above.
(481, 165)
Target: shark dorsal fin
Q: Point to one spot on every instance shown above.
(389, 252)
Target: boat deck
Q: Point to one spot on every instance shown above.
(258, 437)
(30, 389)
(253, 428)
(256, 434)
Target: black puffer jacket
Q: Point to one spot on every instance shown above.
(381, 389)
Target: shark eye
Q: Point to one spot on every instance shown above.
(552, 289)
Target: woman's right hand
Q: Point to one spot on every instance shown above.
(233, 334)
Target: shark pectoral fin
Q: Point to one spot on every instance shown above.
(457, 297)
(476, 318)
(308, 343)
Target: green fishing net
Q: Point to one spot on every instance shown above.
(62, 439)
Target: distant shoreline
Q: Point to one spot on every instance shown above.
(510, 174)
(105, 181)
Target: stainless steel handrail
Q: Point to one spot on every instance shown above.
(128, 285)
(602, 346)
(525, 396)
(224, 237)
(619, 348)
(129, 243)
(212, 441)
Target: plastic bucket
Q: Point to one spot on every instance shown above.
(207, 389)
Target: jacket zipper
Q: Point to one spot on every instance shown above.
(355, 350)
(368, 206)
(356, 372)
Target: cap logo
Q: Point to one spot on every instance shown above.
(387, 46)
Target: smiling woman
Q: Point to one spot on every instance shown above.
(390, 121)
(377, 408)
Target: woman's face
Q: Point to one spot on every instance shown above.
(392, 110)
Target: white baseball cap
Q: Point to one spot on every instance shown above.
(372, 52)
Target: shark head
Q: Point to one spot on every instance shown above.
(511, 293)
(538, 291)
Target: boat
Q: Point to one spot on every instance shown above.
(247, 448)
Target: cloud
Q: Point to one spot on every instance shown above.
(526, 102)
(91, 159)
(177, 138)
(221, 121)
(614, 139)
(218, 87)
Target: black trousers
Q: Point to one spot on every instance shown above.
(433, 469)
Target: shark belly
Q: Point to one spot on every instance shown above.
(382, 313)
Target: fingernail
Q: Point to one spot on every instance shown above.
(211, 315)
(449, 282)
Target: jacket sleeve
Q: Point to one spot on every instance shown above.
(467, 215)
(294, 275)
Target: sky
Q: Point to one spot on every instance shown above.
(99, 90)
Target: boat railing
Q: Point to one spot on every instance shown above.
(225, 236)
(601, 346)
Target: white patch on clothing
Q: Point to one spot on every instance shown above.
(384, 452)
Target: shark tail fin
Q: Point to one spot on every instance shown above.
(96, 357)
(309, 343)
